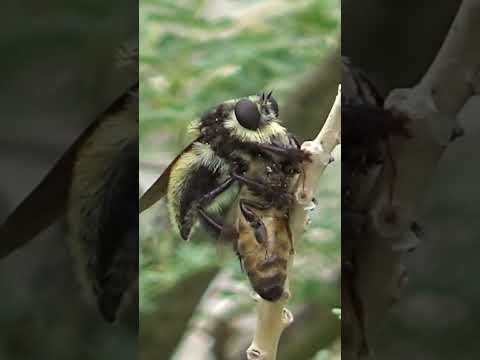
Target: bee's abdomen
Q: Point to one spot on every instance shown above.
(267, 275)
(269, 280)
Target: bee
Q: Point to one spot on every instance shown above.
(239, 168)
(95, 184)
(258, 227)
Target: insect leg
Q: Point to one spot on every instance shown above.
(288, 153)
(215, 192)
(249, 215)
(268, 193)
(209, 221)
(294, 141)
(192, 212)
(258, 226)
(255, 205)
(212, 223)
(250, 182)
(265, 207)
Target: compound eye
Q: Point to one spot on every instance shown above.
(274, 105)
(247, 114)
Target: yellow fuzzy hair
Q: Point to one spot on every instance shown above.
(264, 135)
(199, 155)
(88, 181)
(203, 155)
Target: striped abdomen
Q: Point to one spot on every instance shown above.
(266, 263)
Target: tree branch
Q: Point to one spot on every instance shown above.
(431, 107)
(273, 317)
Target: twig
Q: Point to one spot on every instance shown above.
(273, 317)
(431, 107)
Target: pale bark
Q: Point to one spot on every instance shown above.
(431, 106)
(273, 317)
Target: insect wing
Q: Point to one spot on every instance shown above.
(33, 216)
(159, 188)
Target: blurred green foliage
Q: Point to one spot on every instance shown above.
(194, 56)
(190, 61)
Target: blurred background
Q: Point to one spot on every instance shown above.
(195, 303)
(57, 76)
(438, 316)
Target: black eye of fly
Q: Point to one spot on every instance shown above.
(274, 105)
(247, 114)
